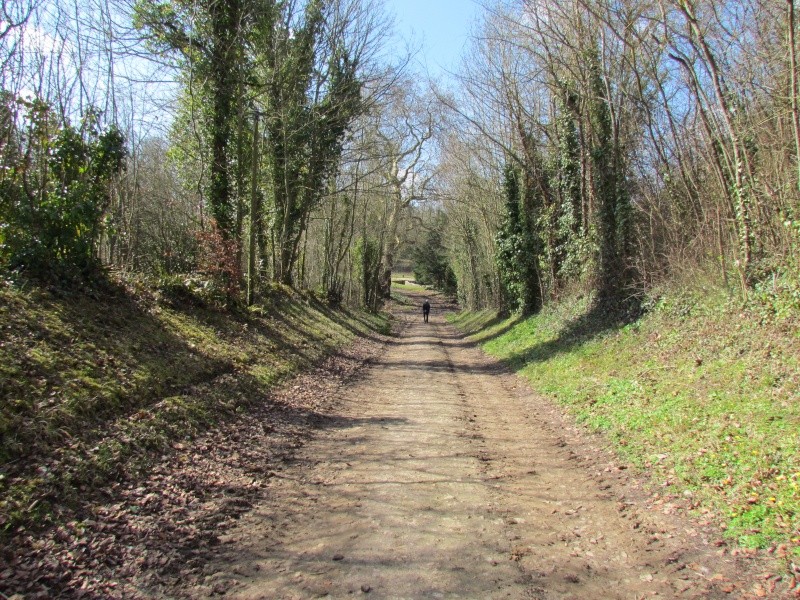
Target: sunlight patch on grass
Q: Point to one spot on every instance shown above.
(698, 393)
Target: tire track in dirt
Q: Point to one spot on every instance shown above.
(441, 475)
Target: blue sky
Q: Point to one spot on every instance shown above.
(441, 26)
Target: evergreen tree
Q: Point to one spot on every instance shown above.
(431, 264)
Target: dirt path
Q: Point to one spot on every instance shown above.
(442, 476)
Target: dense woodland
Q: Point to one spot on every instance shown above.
(608, 147)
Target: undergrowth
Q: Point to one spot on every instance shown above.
(95, 382)
(702, 392)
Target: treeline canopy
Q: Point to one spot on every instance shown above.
(584, 146)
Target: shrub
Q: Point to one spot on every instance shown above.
(218, 261)
(54, 189)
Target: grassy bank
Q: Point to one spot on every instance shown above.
(403, 283)
(94, 383)
(701, 393)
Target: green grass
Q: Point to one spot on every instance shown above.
(92, 385)
(703, 395)
(405, 282)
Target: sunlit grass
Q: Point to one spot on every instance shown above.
(706, 400)
(405, 282)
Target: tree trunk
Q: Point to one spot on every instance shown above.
(794, 90)
(255, 221)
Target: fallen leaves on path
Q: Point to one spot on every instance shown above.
(140, 536)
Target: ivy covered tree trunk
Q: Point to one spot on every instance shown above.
(308, 110)
(210, 38)
(368, 255)
(517, 254)
(609, 186)
(566, 182)
(225, 54)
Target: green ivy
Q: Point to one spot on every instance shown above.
(54, 190)
(516, 252)
(367, 258)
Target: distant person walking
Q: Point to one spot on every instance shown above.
(426, 310)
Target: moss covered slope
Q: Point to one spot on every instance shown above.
(93, 383)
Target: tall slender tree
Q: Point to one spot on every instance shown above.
(210, 37)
